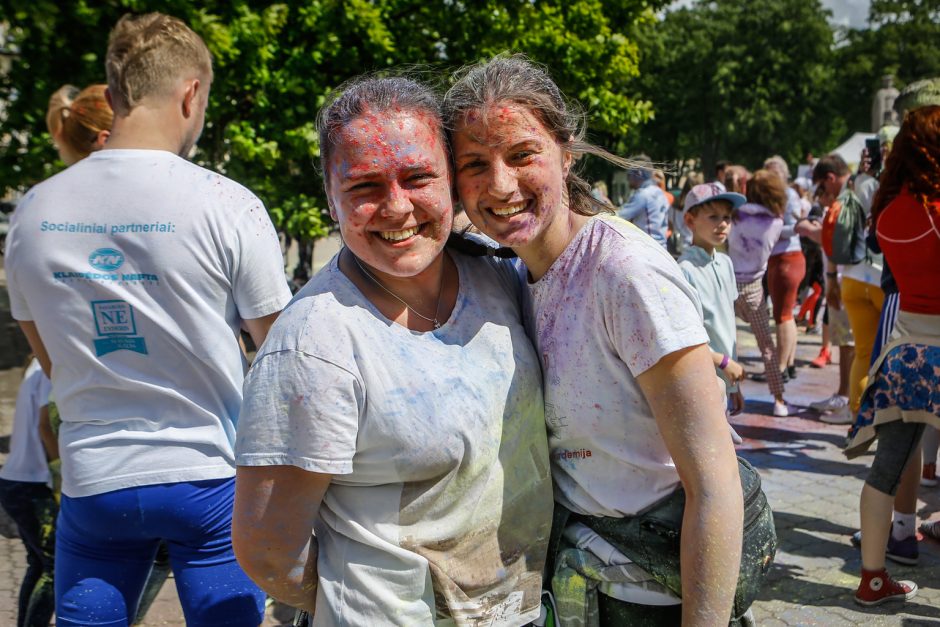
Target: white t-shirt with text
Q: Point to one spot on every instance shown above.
(138, 268)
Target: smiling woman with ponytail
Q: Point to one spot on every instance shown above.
(632, 406)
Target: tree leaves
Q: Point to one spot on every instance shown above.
(744, 80)
(741, 81)
(275, 62)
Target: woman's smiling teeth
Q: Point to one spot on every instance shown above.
(508, 210)
(397, 236)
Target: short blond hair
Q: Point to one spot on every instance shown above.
(147, 54)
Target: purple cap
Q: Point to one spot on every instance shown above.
(711, 191)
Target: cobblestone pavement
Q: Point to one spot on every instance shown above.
(811, 486)
(814, 492)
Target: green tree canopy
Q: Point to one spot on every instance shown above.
(738, 80)
(903, 40)
(275, 62)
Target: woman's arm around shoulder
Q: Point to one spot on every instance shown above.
(298, 427)
(689, 410)
(272, 530)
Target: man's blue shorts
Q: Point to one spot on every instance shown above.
(105, 546)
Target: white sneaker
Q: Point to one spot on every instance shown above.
(833, 403)
(840, 416)
(781, 410)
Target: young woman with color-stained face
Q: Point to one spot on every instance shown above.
(631, 399)
(396, 406)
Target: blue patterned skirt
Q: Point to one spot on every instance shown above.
(903, 385)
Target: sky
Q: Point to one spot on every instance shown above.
(844, 12)
(848, 12)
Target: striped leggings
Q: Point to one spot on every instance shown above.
(750, 307)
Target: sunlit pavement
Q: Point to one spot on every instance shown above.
(814, 492)
(811, 486)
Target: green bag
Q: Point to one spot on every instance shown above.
(843, 231)
(651, 539)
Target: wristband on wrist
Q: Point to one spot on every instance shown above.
(832, 274)
(724, 362)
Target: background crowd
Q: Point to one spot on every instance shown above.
(791, 238)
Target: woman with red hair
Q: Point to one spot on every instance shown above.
(902, 396)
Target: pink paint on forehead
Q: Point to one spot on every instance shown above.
(500, 125)
(390, 142)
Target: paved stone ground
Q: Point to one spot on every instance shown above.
(811, 486)
(814, 492)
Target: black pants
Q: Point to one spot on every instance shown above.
(898, 441)
(33, 509)
(613, 613)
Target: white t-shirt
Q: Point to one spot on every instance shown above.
(789, 240)
(138, 268)
(865, 187)
(440, 505)
(27, 459)
(611, 306)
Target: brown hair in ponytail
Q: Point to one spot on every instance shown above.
(59, 103)
(84, 119)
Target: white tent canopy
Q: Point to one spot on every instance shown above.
(851, 149)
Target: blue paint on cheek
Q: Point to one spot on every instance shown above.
(339, 169)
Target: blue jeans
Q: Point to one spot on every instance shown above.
(106, 543)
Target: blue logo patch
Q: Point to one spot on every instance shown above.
(106, 259)
(114, 323)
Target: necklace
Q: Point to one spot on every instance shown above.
(440, 292)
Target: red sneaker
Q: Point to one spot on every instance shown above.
(929, 476)
(878, 587)
(824, 358)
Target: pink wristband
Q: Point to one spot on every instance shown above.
(724, 362)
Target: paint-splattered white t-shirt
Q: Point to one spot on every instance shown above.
(611, 306)
(440, 505)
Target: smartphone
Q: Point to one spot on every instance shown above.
(873, 145)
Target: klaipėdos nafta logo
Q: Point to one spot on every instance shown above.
(106, 259)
